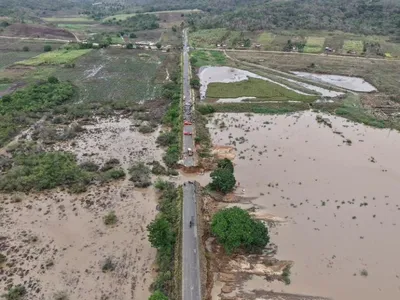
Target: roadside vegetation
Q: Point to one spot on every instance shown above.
(173, 120)
(164, 235)
(236, 230)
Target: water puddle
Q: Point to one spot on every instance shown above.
(355, 84)
(337, 188)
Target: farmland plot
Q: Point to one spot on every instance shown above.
(116, 74)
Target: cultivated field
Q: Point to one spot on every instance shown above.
(118, 75)
(59, 57)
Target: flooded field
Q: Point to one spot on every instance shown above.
(56, 243)
(228, 74)
(356, 84)
(337, 189)
(209, 75)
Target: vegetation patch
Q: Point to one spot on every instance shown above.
(254, 87)
(23, 107)
(222, 179)
(58, 57)
(140, 175)
(261, 108)
(137, 22)
(45, 170)
(208, 38)
(265, 38)
(17, 292)
(352, 46)
(235, 229)
(200, 58)
(110, 218)
(314, 44)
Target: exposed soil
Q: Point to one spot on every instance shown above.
(37, 31)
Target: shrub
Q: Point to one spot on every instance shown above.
(113, 174)
(47, 48)
(160, 233)
(167, 139)
(89, 166)
(3, 258)
(235, 229)
(108, 265)
(158, 45)
(15, 293)
(172, 156)
(205, 109)
(44, 170)
(195, 83)
(223, 180)
(286, 275)
(157, 295)
(140, 175)
(129, 46)
(225, 164)
(364, 273)
(25, 49)
(110, 218)
(158, 169)
(146, 129)
(53, 80)
(109, 164)
(161, 184)
(62, 295)
(132, 35)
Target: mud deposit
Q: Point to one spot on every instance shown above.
(58, 242)
(356, 84)
(336, 187)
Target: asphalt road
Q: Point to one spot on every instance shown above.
(191, 286)
(188, 141)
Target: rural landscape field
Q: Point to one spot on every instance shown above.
(202, 149)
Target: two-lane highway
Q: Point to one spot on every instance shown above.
(188, 141)
(191, 284)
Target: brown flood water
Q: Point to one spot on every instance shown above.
(341, 201)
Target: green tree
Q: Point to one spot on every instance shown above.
(25, 49)
(47, 48)
(161, 234)
(157, 295)
(225, 164)
(132, 35)
(235, 229)
(195, 83)
(129, 46)
(158, 45)
(193, 60)
(223, 180)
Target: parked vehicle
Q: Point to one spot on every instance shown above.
(187, 133)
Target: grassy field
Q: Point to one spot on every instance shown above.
(125, 16)
(117, 75)
(72, 19)
(4, 86)
(77, 27)
(55, 57)
(208, 38)
(353, 45)
(261, 89)
(265, 38)
(208, 58)
(314, 44)
(9, 58)
(11, 45)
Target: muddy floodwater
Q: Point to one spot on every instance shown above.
(337, 188)
(356, 84)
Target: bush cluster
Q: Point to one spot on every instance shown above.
(235, 229)
(223, 179)
(140, 175)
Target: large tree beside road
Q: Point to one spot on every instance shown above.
(235, 229)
